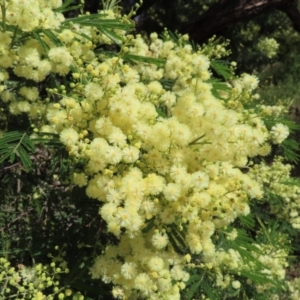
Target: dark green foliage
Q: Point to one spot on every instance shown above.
(68, 6)
(15, 145)
(291, 150)
(222, 69)
(106, 26)
(149, 226)
(143, 59)
(177, 240)
(39, 210)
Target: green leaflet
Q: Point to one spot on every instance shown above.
(192, 286)
(217, 86)
(197, 283)
(67, 6)
(52, 37)
(40, 40)
(291, 150)
(167, 84)
(259, 278)
(271, 121)
(221, 68)
(161, 113)
(177, 240)
(247, 221)
(289, 147)
(209, 290)
(291, 182)
(18, 144)
(106, 26)
(110, 34)
(144, 59)
(96, 21)
(110, 4)
(149, 226)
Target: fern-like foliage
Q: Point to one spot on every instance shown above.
(67, 6)
(291, 150)
(222, 69)
(290, 146)
(16, 144)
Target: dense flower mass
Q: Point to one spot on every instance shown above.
(268, 46)
(155, 145)
(31, 14)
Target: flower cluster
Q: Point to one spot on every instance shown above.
(276, 180)
(294, 288)
(28, 15)
(275, 110)
(31, 282)
(155, 146)
(279, 133)
(268, 46)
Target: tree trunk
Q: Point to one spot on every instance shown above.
(227, 12)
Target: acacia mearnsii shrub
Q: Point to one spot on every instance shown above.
(171, 145)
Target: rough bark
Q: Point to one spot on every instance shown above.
(227, 12)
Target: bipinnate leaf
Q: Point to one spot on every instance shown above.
(16, 144)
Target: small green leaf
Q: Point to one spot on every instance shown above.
(12, 157)
(149, 226)
(110, 34)
(217, 86)
(65, 5)
(143, 59)
(193, 288)
(13, 144)
(211, 293)
(291, 150)
(70, 8)
(52, 37)
(174, 243)
(179, 238)
(161, 113)
(221, 68)
(44, 45)
(177, 241)
(247, 221)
